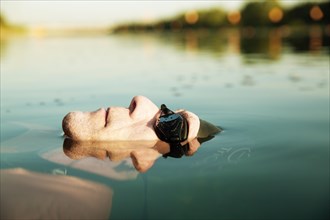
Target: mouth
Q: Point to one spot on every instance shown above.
(106, 117)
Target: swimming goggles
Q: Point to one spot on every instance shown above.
(172, 128)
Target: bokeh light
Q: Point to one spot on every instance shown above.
(275, 14)
(191, 17)
(234, 17)
(316, 13)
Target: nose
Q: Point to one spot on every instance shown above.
(142, 107)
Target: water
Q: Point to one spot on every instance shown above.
(272, 99)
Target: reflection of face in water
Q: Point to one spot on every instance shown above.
(163, 132)
(118, 123)
(143, 154)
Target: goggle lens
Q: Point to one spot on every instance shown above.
(171, 127)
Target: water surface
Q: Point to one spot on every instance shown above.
(270, 162)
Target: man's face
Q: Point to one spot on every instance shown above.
(118, 123)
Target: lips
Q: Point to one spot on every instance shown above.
(106, 117)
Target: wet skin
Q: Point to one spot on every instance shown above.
(119, 123)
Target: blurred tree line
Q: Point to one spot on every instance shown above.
(3, 21)
(268, 13)
(7, 29)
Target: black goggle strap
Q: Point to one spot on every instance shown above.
(177, 150)
(165, 110)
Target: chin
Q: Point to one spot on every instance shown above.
(72, 127)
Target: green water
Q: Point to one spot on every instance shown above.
(271, 97)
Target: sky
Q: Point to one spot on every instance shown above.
(62, 13)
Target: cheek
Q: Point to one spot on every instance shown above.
(117, 128)
(142, 131)
(111, 134)
(127, 131)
